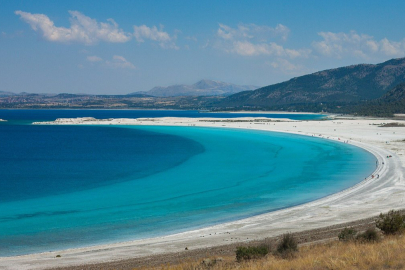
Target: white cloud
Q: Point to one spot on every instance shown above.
(282, 30)
(341, 45)
(252, 31)
(253, 40)
(392, 48)
(119, 62)
(286, 66)
(225, 32)
(94, 58)
(247, 48)
(153, 33)
(83, 29)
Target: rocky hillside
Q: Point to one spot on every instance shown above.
(345, 84)
(394, 95)
(392, 102)
(201, 88)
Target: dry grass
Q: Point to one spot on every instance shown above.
(387, 254)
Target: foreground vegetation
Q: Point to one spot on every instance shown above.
(382, 247)
(386, 254)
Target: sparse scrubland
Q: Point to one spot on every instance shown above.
(386, 254)
(376, 248)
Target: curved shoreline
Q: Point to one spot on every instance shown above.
(367, 198)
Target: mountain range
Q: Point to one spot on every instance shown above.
(364, 89)
(201, 88)
(340, 85)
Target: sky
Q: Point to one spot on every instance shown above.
(119, 47)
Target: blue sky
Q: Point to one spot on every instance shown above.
(118, 47)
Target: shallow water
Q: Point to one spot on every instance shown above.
(93, 185)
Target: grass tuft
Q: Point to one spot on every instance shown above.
(370, 235)
(248, 253)
(347, 234)
(287, 247)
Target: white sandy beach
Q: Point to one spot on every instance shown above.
(366, 199)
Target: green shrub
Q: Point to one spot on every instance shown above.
(248, 253)
(390, 223)
(370, 235)
(288, 246)
(347, 234)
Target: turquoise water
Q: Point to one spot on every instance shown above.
(155, 180)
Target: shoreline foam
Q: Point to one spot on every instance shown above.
(368, 198)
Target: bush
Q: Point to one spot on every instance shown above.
(248, 253)
(390, 223)
(288, 246)
(370, 235)
(347, 234)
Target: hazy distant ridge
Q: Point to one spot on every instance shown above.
(6, 94)
(201, 88)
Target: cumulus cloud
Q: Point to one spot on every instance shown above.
(253, 40)
(286, 66)
(340, 45)
(94, 58)
(119, 62)
(252, 31)
(392, 48)
(83, 29)
(247, 48)
(143, 32)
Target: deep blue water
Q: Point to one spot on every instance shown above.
(38, 160)
(71, 186)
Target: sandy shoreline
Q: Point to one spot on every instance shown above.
(263, 112)
(366, 199)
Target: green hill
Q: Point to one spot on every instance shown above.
(391, 103)
(343, 85)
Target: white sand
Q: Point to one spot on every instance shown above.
(368, 198)
(266, 112)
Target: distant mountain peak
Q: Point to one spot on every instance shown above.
(208, 83)
(203, 87)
